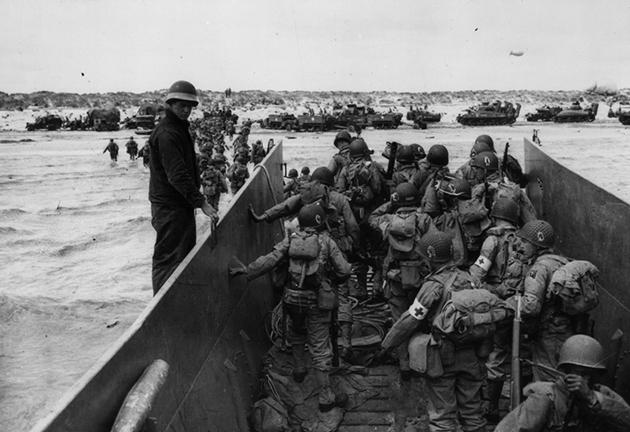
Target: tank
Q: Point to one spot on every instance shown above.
(315, 122)
(384, 120)
(575, 114)
(490, 114)
(49, 122)
(423, 115)
(283, 121)
(544, 113)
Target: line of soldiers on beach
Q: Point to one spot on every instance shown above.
(478, 296)
(132, 151)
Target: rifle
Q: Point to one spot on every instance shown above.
(505, 160)
(515, 393)
(334, 334)
(393, 149)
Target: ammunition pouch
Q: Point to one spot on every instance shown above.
(306, 299)
(425, 356)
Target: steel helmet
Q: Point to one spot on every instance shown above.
(438, 155)
(358, 147)
(455, 186)
(292, 173)
(324, 176)
(538, 232)
(182, 90)
(480, 147)
(487, 161)
(405, 154)
(506, 209)
(342, 136)
(311, 215)
(418, 152)
(305, 170)
(582, 350)
(485, 139)
(406, 195)
(438, 247)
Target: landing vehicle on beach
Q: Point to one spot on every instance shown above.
(544, 113)
(490, 114)
(49, 122)
(423, 115)
(284, 121)
(194, 357)
(384, 120)
(575, 114)
(103, 119)
(314, 122)
(144, 119)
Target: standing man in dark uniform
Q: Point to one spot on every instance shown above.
(174, 184)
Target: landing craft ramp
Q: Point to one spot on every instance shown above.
(591, 224)
(209, 333)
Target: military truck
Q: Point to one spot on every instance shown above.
(490, 114)
(575, 114)
(144, 118)
(283, 121)
(315, 122)
(49, 122)
(544, 113)
(352, 115)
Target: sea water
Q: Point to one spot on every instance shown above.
(76, 237)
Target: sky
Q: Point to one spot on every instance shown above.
(89, 46)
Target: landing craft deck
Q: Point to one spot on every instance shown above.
(211, 336)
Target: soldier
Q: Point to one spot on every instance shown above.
(343, 229)
(402, 223)
(418, 152)
(454, 394)
(433, 168)
(213, 183)
(488, 185)
(573, 400)
(145, 154)
(237, 174)
(362, 181)
(112, 148)
(292, 186)
(242, 152)
(305, 175)
(407, 168)
(342, 157)
(483, 143)
(258, 152)
(132, 148)
(315, 263)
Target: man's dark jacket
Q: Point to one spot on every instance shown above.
(175, 179)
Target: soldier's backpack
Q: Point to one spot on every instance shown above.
(470, 315)
(359, 177)
(575, 285)
(304, 248)
(401, 236)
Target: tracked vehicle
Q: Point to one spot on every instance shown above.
(544, 113)
(490, 114)
(49, 122)
(576, 114)
(284, 121)
(423, 115)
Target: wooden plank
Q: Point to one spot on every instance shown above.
(368, 418)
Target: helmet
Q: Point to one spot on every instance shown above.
(307, 171)
(358, 147)
(418, 152)
(455, 187)
(311, 215)
(406, 194)
(438, 247)
(480, 147)
(486, 160)
(538, 232)
(182, 90)
(506, 209)
(292, 173)
(342, 136)
(485, 139)
(438, 155)
(582, 350)
(324, 176)
(405, 154)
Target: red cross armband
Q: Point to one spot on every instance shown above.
(417, 310)
(483, 262)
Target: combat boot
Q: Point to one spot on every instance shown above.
(327, 398)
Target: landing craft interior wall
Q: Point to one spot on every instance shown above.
(208, 328)
(590, 224)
